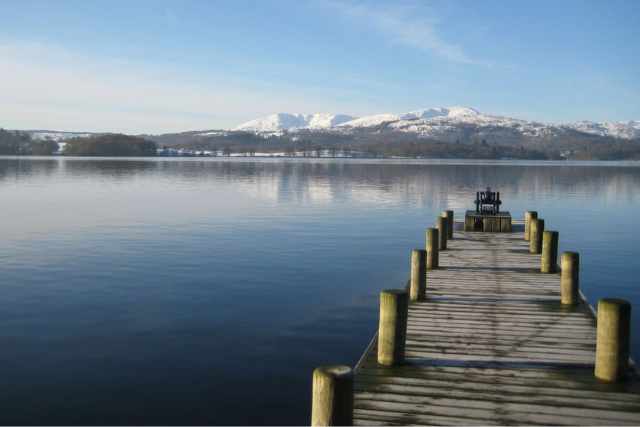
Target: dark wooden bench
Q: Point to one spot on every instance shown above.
(488, 197)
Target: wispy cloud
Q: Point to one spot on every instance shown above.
(413, 25)
(48, 86)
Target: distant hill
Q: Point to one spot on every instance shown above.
(446, 124)
(419, 133)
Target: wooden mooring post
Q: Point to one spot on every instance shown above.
(392, 331)
(549, 258)
(332, 402)
(570, 278)
(418, 286)
(432, 248)
(612, 348)
(443, 229)
(535, 235)
(528, 216)
(448, 214)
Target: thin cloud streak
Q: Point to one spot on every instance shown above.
(55, 88)
(412, 25)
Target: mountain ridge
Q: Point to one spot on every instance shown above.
(432, 122)
(282, 121)
(451, 124)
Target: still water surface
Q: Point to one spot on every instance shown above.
(188, 291)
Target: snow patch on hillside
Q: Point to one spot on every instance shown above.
(429, 113)
(282, 121)
(58, 136)
(626, 130)
(631, 123)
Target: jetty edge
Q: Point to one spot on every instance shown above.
(499, 333)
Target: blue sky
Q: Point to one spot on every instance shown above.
(157, 66)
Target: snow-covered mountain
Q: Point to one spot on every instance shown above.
(628, 129)
(435, 123)
(450, 124)
(430, 113)
(282, 121)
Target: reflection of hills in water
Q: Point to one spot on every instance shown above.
(378, 182)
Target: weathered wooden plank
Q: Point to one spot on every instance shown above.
(423, 317)
(493, 345)
(495, 356)
(460, 326)
(454, 325)
(500, 346)
(488, 305)
(579, 381)
(451, 323)
(373, 417)
(518, 411)
(443, 336)
(561, 376)
(498, 393)
(499, 413)
(538, 318)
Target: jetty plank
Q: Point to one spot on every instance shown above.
(493, 345)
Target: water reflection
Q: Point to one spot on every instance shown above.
(392, 182)
(176, 290)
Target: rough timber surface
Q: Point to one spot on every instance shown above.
(492, 345)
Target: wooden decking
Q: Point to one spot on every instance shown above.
(492, 345)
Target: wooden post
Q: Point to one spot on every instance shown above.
(418, 288)
(442, 226)
(536, 229)
(449, 215)
(432, 248)
(570, 278)
(549, 259)
(392, 332)
(612, 345)
(332, 403)
(528, 216)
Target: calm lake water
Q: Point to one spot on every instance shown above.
(189, 291)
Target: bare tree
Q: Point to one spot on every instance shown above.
(290, 151)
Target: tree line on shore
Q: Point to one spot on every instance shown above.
(595, 149)
(244, 143)
(116, 145)
(577, 146)
(111, 145)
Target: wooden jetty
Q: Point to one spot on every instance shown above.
(492, 344)
(498, 222)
